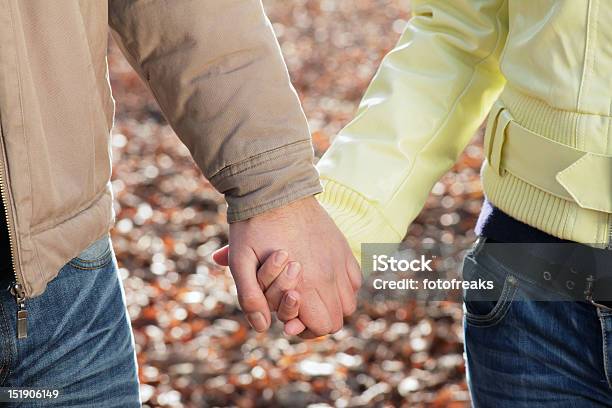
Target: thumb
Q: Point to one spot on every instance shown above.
(243, 266)
(221, 256)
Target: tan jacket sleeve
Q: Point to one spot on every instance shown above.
(217, 72)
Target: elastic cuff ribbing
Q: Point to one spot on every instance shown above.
(356, 217)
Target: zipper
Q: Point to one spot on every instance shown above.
(17, 289)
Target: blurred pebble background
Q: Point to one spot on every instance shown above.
(194, 347)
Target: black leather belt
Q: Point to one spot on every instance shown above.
(578, 272)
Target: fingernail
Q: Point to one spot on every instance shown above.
(257, 321)
(293, 270)
(291, 300)
(280, 257)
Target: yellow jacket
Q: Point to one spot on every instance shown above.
(546, 68)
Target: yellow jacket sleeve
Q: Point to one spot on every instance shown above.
(427, 99)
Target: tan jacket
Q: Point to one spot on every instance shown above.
(216, 70)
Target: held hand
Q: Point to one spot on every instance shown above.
(330, 274)
(278, 273)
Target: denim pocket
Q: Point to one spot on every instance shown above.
(95, 256)
(487, 307)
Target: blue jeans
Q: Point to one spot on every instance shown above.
(525, 353)
(79, 337)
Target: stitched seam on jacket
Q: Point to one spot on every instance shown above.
(585, 63)
(608, 129)
(593, 46)
(40, 228)
(256, 160)
(25, 136)
(292, 195)
(541, 103)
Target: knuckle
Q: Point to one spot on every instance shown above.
(287, 310)
(284, 317)
(283, 284)
(284, 313)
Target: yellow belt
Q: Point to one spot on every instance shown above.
(559, 169)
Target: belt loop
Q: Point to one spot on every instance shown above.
(497, 144)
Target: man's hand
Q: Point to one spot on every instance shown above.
(330, 275)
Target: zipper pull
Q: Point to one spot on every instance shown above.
(22, 313)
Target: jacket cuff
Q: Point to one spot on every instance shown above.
(269, 180)
(357, 218)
